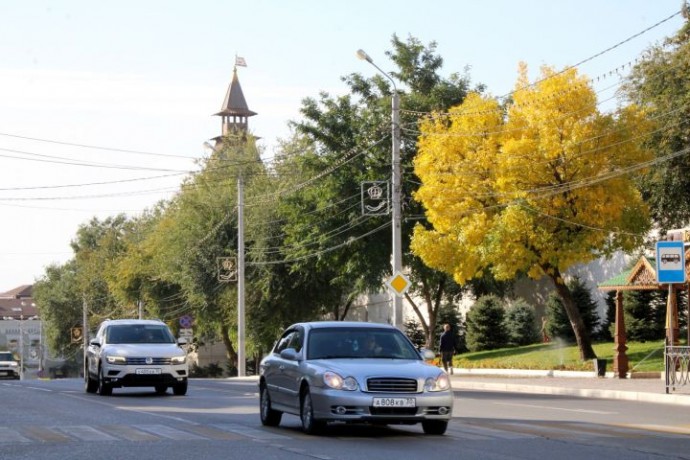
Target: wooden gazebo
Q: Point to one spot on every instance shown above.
(642, 277)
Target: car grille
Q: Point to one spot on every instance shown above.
(392, 385)
(154, 361)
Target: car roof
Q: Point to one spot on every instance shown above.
(343, 324)
(156, 322)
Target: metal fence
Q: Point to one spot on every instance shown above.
(677, 367)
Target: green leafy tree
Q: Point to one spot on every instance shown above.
(659, 82)
(486, 325)
(341, 127)
(60, 304)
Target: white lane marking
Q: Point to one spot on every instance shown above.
(9, 435)
(565, 409)
(86, 433)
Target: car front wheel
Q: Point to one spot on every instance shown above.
(309, 424)
(103, 388)
(90, 385)
(180, 389)
(269, 417)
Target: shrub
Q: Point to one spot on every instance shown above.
(558, 322)
(414, 332)
(485, 325)
(520, 324)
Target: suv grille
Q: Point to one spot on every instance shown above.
(392, 385)
(154, 362)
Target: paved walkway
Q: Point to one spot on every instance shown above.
(583, 384)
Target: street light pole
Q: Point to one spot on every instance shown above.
(396, 249)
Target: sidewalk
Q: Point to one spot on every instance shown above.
(582, 384)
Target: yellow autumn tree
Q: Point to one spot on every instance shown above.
(533, 187)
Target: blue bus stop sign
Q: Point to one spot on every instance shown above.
(670, 262)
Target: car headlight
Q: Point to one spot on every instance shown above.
(116, 360)
(439, 383)
(13, 364)
(178, 359)
(333, 380)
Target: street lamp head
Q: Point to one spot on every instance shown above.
(364, 56)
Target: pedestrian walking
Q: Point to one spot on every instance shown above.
(447, 348)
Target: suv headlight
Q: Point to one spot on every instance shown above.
(439, 383)
(178, 359)
(116, 360)
(333, 380)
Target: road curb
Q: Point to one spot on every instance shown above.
(679, 400)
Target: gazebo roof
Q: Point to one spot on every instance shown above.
(641, 277)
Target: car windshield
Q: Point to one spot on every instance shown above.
(6, 356)
(359, 342)
(138, 333)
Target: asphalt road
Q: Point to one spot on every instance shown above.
(219, 419)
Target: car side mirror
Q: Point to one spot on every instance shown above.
(182, 341)
(427, 354)
(290, 354)
(95, 342)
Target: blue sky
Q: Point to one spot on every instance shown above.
(148, 75)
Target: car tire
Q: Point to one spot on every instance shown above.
(269, 416)
(309, 424)
(90, 385)
(103, 388)
(436, 427)
(180, 389)
(161, 389)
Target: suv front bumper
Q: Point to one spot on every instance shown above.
(144, 376)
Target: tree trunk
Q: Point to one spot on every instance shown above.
(230, 352)
(584, 342)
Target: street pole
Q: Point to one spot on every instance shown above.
(241, 360)
(84, 333)
(396, 217)
(21, 347)
(396, 220)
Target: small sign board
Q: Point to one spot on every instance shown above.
(398, 283)
(670, 262)
(186, 321)
(227, 269)
(375, 198)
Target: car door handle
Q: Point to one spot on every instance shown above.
(282, 367)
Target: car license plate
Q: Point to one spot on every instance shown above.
(395, 402)
(4, 372)
(148, 371)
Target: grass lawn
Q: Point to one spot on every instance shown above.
(642, 357)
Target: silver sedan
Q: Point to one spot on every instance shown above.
(352, 372)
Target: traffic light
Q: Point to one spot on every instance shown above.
(77, 335)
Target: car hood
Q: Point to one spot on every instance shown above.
(367, 368)
(160, 350)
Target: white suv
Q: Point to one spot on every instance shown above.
(8, 365)
(135, 353)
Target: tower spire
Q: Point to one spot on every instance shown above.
(234, 112)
